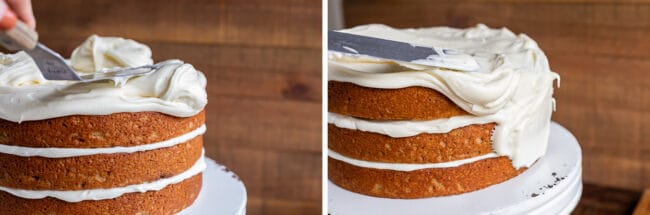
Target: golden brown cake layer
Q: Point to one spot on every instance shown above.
(421, 183)
(98, 171)
(169, 200)
(410, 103)
(460, 143)
(85, 131)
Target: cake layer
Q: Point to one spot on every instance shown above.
(421, 183)
(169, 200)
(53, 152)
(108, 193)
(90, 131)
(98, 171)
(410, 103)
(460, 143)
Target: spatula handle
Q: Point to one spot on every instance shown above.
(15, 34)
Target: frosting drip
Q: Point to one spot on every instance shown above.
(512, 87)
(175, 89)
(111, 193)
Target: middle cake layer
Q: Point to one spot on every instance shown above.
(98, 171)
(460, 143)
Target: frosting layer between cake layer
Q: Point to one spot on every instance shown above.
(406, 166)
(52, 152)
(513, 86)
(405, 128)
(175, 89)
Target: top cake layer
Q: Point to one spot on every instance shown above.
(176, 89)
(512, 87)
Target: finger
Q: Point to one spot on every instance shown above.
(23, 9)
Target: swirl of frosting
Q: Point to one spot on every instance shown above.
(98, 53)
(25, 70)
(176, 89)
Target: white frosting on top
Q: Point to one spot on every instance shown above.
(407, 166)
(52, 152)
(24, 71)
(513, 86)
(174, 89)
(100, 194)
(98, 53)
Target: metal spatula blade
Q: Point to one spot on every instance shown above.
(54, 67)
(15, 35)
(121, 73)
(51, 64)
(400, 51)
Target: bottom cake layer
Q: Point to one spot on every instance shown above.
(421, 183)
(170, 200)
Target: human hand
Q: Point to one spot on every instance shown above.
(23, 9)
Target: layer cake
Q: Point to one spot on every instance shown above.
(131, 146)
(404, 130)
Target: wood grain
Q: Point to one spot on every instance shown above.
(600, 48)
(263, 64)
(292, 23)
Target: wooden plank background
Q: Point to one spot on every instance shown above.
(601, 48)
(263, 64)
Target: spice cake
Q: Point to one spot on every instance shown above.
(404, 130)
(107, 147)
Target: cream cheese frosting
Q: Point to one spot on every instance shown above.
(176, 89)
(98, 53)
(110, 193)
(513, 86)
(406, 167)
(52, 152)
(405, 128)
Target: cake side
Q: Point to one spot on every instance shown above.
(461, 143)
(98, 131)
(404, 130)
(98, 171)
(170, 200)
(513, 85)
(128, 146)
(421, 183)
(373, 157)
(413, 103)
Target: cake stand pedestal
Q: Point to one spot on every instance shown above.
(553, 185)
(221, 193)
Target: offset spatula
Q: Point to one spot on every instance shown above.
(16, 35)
(400, 51)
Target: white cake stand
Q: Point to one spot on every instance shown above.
(553, 185)
(222, 193)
